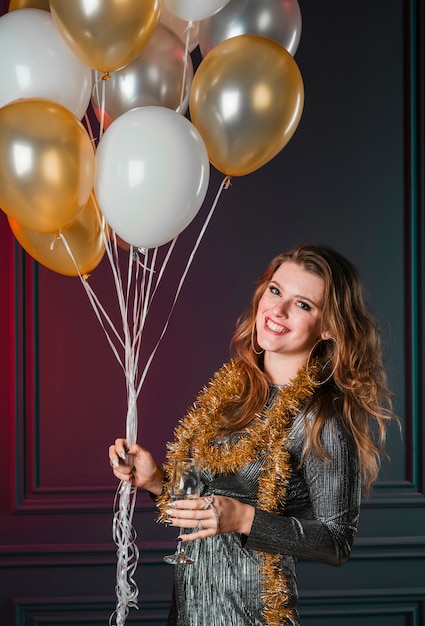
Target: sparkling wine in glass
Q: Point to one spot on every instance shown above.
(185, 485)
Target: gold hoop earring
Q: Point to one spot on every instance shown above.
(252, 342)
(307, 365)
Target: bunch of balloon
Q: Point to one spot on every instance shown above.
(73, 196)
(51, 51)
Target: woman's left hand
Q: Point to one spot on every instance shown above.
(210, 515)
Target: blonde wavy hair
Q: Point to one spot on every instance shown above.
(357, 389)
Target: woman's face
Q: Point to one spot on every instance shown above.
(289, 314)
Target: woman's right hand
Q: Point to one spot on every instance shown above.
(135, 464)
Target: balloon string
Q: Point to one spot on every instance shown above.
(90, 131)
(125, 537)
(102, 99)
(189, 26)
(224, 185)
(123, 532)
(102, 109)
(136, 296)
(148, 300)
(97, 306)
(148, 288)
(161, 272)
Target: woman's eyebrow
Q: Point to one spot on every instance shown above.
(300, 296)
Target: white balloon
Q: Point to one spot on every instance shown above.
(194, 10)
(35, 62)
(152, 175)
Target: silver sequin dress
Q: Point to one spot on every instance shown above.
(319, 522)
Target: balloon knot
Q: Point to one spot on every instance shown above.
(54, 240)
(86, 277)
(106, 76)
(227, 182)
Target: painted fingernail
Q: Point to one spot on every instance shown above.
(122, 455)
(114, 463)
(168, 521)
(169, 511)
(173, 504)
(126, 450)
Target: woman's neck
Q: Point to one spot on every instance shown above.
(280, 369)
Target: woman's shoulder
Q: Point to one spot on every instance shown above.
(333, 429)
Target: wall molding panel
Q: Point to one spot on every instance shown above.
(75, 610)
(58, 555)
(400, 607)
(370, 549)
(414, 15)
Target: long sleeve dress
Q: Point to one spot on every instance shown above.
(318, 522)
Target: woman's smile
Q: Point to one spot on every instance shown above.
(275, 327)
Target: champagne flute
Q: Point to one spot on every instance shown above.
(185, 484)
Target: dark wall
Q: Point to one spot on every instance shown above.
(351, 177)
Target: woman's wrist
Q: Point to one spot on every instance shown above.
(247, 519)
(155, 485)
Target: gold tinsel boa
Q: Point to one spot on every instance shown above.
(196, 435)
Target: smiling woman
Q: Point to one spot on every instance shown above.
(282, 436)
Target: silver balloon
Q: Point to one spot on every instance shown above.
(154, 77)
(276, 19)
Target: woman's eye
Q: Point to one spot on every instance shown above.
(275, 290)
(304, 306)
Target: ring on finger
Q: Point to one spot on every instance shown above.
(217, 519)
(199, 526)
(208, 501)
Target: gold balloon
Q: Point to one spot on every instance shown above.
(246, 101)
(47, 164)
(84, 238)
(106, 34)
(29, 4)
